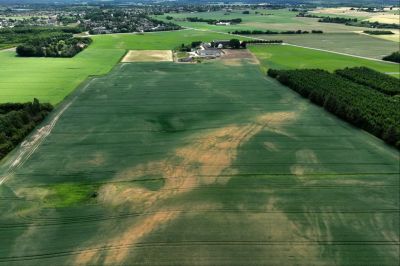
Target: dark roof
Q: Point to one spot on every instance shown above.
(221, 41)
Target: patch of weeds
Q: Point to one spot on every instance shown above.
(69, 194)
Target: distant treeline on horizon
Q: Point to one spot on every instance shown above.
(293, 2)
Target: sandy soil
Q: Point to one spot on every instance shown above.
(234, 57)
(198, 163)
(147, 56)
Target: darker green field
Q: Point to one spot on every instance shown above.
(163, 163)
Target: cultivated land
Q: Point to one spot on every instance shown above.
(349, 43)
(391, 37)
(154, 40)
(382, 17)
(336, 37)
(51, 79)
(290, 57)
(282, 19)
(198, 164)
(147, 56)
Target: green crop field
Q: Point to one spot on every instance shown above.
(194, 164)
(290, 57)
(282, 19)
(350, 43)
(154, 40)
(51, 79)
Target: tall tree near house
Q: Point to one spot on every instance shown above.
(234, 43)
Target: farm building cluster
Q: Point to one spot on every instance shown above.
(211, 50)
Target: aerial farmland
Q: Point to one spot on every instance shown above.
(139, 157)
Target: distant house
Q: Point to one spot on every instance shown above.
(223, 23)
(209, 53)
(205, 45)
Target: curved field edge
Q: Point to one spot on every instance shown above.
(244, 168)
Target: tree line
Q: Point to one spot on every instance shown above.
(10, 37)
(394, 57)
(17, 120)
(371, 78)
(54, 45)
(214, 21)
(378, 32)
(360, 105)
(350, 21)
(270, 32)
(262, 41)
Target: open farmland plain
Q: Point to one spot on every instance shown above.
(349, 43)
(154, 40)
(389, 16)
(292, 57)
(52, 79)
(212, 163)
(281, 20)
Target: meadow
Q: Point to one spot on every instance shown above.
(349, 43)
(290, 57)
(280, 20)
(154, 40)
(212, 163)
(52, 79)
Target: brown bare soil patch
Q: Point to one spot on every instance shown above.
(148, 56)
(198, 163)
(234, 57)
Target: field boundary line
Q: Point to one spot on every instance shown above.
(300, 46)
(133, 33)
(339, 53)
(32, 142)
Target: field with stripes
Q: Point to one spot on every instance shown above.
(213, 163)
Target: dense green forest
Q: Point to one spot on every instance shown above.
(360, 105)
(394, 57)
(371, 78)
(11, 37)
(55, 45)
(17, 120)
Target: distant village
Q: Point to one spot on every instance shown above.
(94, 21)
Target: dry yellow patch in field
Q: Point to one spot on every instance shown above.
(147, 56)
(385, 18)
(198, 163)
(391, 37)
(382, 17)
(339, 11)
